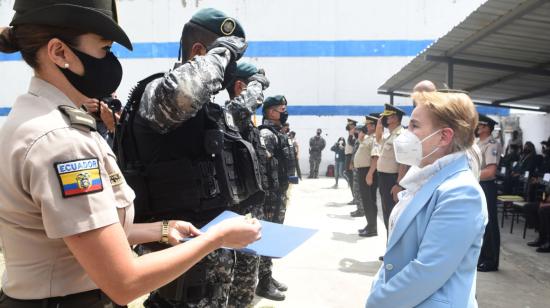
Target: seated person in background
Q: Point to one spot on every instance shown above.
(527, 162)
(543, 222)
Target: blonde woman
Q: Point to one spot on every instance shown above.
(65, 210)
(436, 229)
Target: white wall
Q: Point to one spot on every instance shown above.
(310, 81)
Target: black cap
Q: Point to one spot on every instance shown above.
(218, 22)
(98, 16)
(352, 122)
(274, 101)
(485, 120)
(391, 110)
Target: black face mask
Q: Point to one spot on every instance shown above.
(283, 116)
(101, 76)
(476, 133)
(385, 122)
(356, 135)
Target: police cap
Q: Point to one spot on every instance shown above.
(274, 101)
(352, 122)
(362, 128)
(99, 16)
(245, 70)
(372, 118)
(218, 22)
(485, 120)
(391, 110)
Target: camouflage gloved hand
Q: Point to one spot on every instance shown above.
(236, 46)
(261, 79)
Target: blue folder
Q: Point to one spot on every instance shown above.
(277, 240)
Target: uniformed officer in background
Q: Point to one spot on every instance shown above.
(389, 171)
(316, 146)
(348, 152)
(359, 211)
(281, 168)
(366, 161)
(178, 150)
(490, 153)
(246, 95)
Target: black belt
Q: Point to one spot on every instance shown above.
(93, 299)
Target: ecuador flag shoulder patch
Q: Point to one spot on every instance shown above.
(79, 177)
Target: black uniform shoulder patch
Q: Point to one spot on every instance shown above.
(79, 118)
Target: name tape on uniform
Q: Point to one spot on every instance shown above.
(79, 177)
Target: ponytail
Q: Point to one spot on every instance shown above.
(8, 42)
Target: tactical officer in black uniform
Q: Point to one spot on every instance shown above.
(490, 153)
(246, 95)
(184, 156)
(281, 170)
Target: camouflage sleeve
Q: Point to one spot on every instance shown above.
(270, 141)
(180, 94)
(244, 106)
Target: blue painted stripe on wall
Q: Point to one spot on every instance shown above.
(344, 110)
(4, 111)
(371, 48)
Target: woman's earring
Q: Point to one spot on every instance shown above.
(66, 65)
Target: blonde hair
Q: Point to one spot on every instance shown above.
(453, 110)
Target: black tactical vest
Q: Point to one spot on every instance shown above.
(284, 161)
(195, 171)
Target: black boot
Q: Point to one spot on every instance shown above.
(266, 289)
(536, 243)
(279, 285)
(544, 247)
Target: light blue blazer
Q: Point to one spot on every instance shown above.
(431, 257)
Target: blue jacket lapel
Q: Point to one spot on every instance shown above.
(422, 197)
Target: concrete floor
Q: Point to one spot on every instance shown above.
(335, 267)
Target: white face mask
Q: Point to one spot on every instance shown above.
(408, 148)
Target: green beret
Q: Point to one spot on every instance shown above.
(245, 70)
(274, 101)
(218, 22)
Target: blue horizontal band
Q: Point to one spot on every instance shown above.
(370, 48)
(344, 110)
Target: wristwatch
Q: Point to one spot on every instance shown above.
(164, 234)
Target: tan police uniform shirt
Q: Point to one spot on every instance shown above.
(386, 161)
(58, 179)
(367, 149)
(490, 153)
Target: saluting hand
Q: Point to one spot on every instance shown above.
(178, 230)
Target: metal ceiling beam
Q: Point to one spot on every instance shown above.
(520, 10)
(501, 79)
(542, 108)
(522, 97)
(489, 65)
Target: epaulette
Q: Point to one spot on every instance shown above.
(79, 118)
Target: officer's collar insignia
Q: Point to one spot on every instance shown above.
(228, 26)
(78, 118)
(79, 177)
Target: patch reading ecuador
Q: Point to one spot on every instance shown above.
(79, 177)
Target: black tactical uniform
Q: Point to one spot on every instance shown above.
(281, 170)
(185, 158)
(242, 105)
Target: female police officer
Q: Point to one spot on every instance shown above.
(65, 211)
